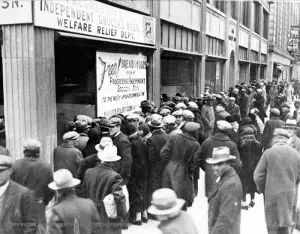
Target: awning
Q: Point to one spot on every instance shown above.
(79, 36)
(165, 49)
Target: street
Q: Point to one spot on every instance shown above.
(253, 220)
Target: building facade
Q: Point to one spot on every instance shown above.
(283, 16)
(63, 58)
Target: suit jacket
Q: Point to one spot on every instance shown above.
(72, 215)
(66, 156)
(19, 212)
(224, 212)
(123, 166)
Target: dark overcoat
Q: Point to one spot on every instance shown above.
(178, 174)
(67, 156)
(137, 186)
(271, 124)
(18, 213)
(224, 211)
(72, 215)
(244, 105)
(123, 166)
(156, 164)
(99, 182)
(83, 139)
(259, 103)
(206, 149)
(277, 177)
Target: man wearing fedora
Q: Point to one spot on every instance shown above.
(35, 174)
(101, 181)
(167, 209)
(154, 145)
(220, 138)
(18, 210)
(70, 214)
(277, 177)
(82, 129)
(224, 211)
(66, 155)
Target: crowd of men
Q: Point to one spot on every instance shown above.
(110, 172)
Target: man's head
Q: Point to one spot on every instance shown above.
(169, 122)
(285, 107)
(231, 101)
(6, 164)
(114, 125)
(32, 147)
(71, 138)
(179, 116)
(134, 119)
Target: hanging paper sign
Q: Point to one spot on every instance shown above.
(121, 83)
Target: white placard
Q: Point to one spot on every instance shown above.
(15, 12)
(121, 83)
(95, 19)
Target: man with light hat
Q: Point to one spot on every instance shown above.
(224, 210)
(277, 177)
(18, 210)
(101, 181)
(66, 155)
(220, 138)
(292, 128)
(180, 106)
(170, 126)
(167, 209)
(179, 117)
(165, 111)
(232, 108)
(34, 174)
(70, 212)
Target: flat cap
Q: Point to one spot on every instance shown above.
(5, 162)
(72, 135)
(169, 119)
(114, 121)
(165, 111)
(180, 105)
(177, 113)
(223, 125)
(275, 112)
(232, 99)
(32, 144)
(187, 114)
(281, 132)
(133, 116)
(193, 105)
(191, 127)
(81, 125)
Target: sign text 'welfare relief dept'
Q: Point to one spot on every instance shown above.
(95, 19)
(121, 83)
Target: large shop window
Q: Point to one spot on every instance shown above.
(214, 75)
(75, 74)
(177, 75)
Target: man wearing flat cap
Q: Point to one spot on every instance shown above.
(18, 210)
(277, 177)
(224, 210)
(232, 108)
(220, 138)
(67, 156)
(35, 174)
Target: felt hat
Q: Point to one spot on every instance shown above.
(220, 154)
(156, 121)
(187, 114)
(72, 135)
(223, 125)
(32, 144)
(281, 132)
(105, 141)
(275, 112)
(80, 126)
(5, 162)
(176, 98)
(62, 179)
(290, 124)
(177, 113)
(165, 202)
(109, 154)
(169, 119)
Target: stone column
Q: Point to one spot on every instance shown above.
(29, 88)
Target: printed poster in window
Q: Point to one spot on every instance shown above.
(121, 83)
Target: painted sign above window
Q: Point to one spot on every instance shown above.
(121, 83)
(95, 19)
(15, 12)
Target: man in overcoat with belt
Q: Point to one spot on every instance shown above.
(224, 211)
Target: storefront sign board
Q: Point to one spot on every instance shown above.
(15, 12)
(95, 19)
(121, 83)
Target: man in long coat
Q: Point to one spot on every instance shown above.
(277, 177)
(154, 145)
(179, 151)
(224, 211)
(244, 103)
(101, 181)
(18, 210)
(220, 138)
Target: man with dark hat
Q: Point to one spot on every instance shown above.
(147, 108)
(70, 214)
(35, 174)
(18, 210)
(66, 155)
(224, 210)
(278, 102)
(285, 112)
(82, 130)
(208, 116)
(244, 103)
